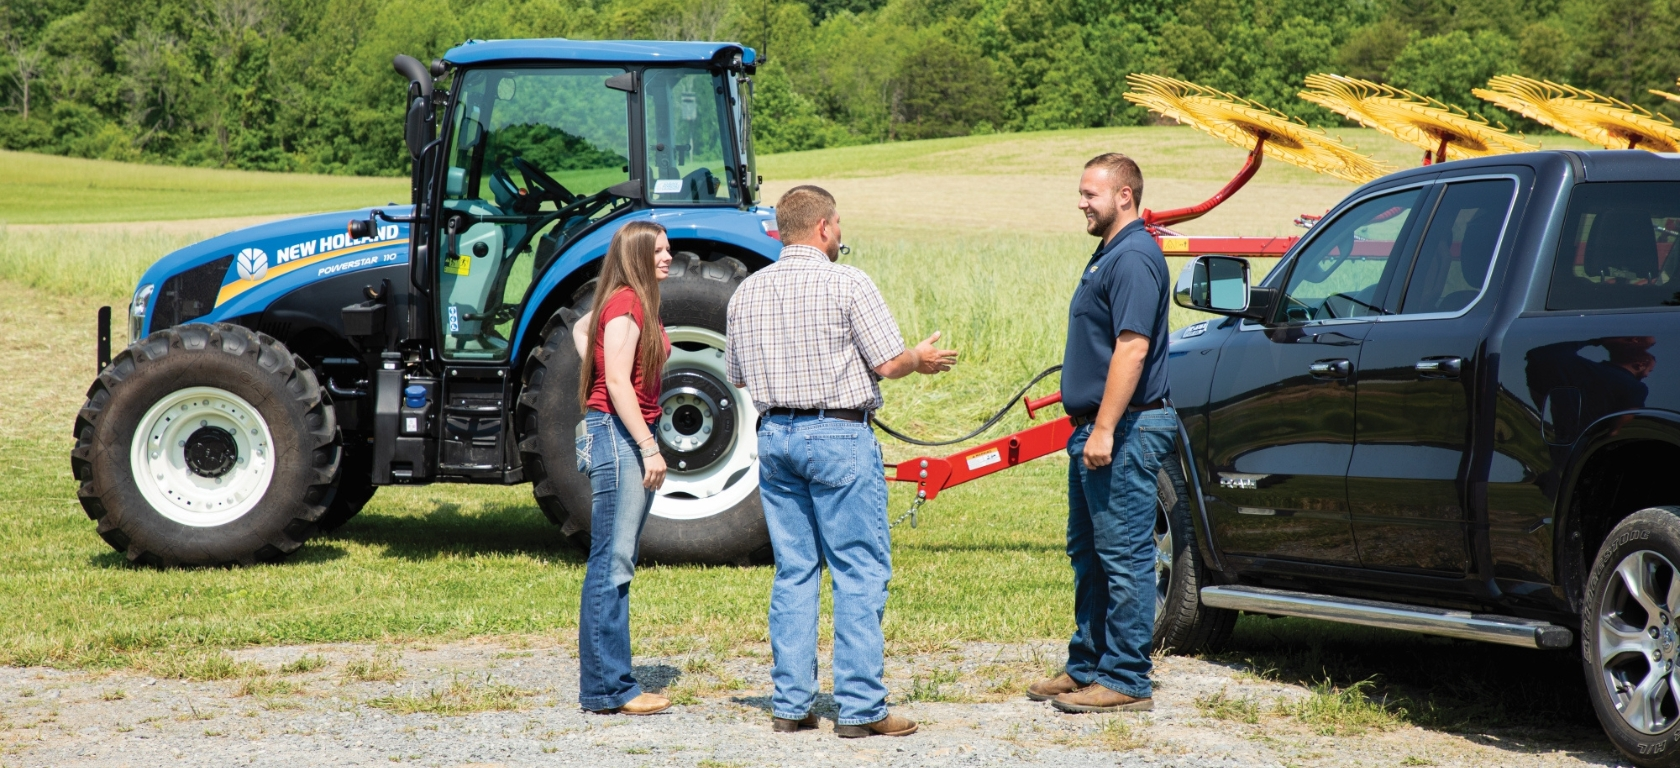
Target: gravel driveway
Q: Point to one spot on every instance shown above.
(512, 702)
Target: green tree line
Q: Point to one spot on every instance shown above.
(306, 85)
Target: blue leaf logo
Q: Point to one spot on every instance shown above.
(252, 264)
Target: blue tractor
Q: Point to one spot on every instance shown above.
(279, 375)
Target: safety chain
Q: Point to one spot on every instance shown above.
(921, 497)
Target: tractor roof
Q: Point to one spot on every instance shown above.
(602, 51)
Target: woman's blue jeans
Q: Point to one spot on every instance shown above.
(1111, 541)
(619, 509)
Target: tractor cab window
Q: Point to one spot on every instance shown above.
(530, 152)
(686, 111)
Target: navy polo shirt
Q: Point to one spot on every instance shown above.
(1124, 288)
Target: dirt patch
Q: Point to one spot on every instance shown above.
(512, 701)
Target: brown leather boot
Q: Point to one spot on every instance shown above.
(1096, 698)
(784, 725)
(1045, 690)
(645, 704)
(891, 725)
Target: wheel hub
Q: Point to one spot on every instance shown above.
(696, 425)
(211, 451)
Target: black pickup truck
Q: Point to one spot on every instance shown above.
(1452, 408)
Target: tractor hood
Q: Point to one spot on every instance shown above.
(242, 271)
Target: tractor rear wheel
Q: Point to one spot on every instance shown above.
(204, 445)
(708, 510)
(355, 484)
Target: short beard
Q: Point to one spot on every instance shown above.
(1098, 225)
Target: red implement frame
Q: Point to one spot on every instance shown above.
(933, 474)
(1174, 244)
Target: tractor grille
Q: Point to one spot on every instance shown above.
(190, 295)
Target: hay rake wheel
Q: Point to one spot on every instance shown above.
(1602, 120)
(1412, 118)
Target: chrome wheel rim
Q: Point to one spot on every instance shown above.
(202, 457)
(1163, 558)
(730, 479)
(1637, 641)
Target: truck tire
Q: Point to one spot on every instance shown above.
(708, 511)
(1629, 638)
(355, 484)
(205, 445)
(1182, 624)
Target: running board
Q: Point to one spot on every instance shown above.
(1464, 625)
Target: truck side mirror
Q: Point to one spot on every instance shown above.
(1218, 284)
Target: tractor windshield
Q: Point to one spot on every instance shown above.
(687, 145)
(528, 149)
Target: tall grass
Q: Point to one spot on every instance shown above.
(100, 264)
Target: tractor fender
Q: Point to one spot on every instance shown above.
(732, 227)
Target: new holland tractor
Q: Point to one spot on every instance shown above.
(279, 375)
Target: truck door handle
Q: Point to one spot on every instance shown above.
(1330, 369)
(1440, 367)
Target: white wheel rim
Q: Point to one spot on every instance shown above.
(733, 477)
(1163, 558)
(158, 457)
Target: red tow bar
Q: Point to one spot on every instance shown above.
(934, 474)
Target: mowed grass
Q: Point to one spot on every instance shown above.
(47, 189)
(988, 254)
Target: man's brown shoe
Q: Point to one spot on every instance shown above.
(645, 704)
(1045, 690)
(891, 725)
(1099, 699)
(784, 725)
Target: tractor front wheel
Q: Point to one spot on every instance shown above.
(204, 445)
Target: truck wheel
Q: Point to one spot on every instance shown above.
(355, 484)
(205, 444)
(1182, 623)
(1629, 638)
(708, 511)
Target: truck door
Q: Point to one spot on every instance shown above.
(1281, 428)
(1417, 375)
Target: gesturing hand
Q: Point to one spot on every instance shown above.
(930, 360)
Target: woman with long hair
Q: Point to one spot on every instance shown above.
(623, 347)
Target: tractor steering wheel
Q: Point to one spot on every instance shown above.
(544, 182)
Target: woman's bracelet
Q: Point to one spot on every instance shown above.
(650, 451)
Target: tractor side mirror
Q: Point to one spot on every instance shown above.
(417, 129)
(1217, 284)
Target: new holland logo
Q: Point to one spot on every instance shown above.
(252, 264)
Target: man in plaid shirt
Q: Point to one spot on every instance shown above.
(809, 340)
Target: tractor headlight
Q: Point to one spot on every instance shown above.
(137, 311)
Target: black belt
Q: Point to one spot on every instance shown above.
(1080, 421)
(844, 414)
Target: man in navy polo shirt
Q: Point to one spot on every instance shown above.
(1114, 386)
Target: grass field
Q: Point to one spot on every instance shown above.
(976, 237)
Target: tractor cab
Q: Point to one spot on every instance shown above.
(535, 154)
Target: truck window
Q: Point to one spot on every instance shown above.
(1617, 247)
(1341, 272)
(1458, 247)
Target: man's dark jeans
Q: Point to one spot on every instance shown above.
(1111, 525)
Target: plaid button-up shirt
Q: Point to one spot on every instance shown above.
(808, 333)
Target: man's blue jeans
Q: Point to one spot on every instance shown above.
(619, 509)
(1111, 526)
(825, 500)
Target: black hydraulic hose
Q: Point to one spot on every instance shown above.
(992, 422)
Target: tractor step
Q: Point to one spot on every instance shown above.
(1465, 625)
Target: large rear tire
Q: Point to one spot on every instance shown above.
(205, 445)
(355, 484)
(708, 511)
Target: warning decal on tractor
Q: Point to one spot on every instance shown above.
(984, 458)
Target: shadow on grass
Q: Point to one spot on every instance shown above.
(1458, 686)
(505, 529)
(1059, 550)
(312, 552)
